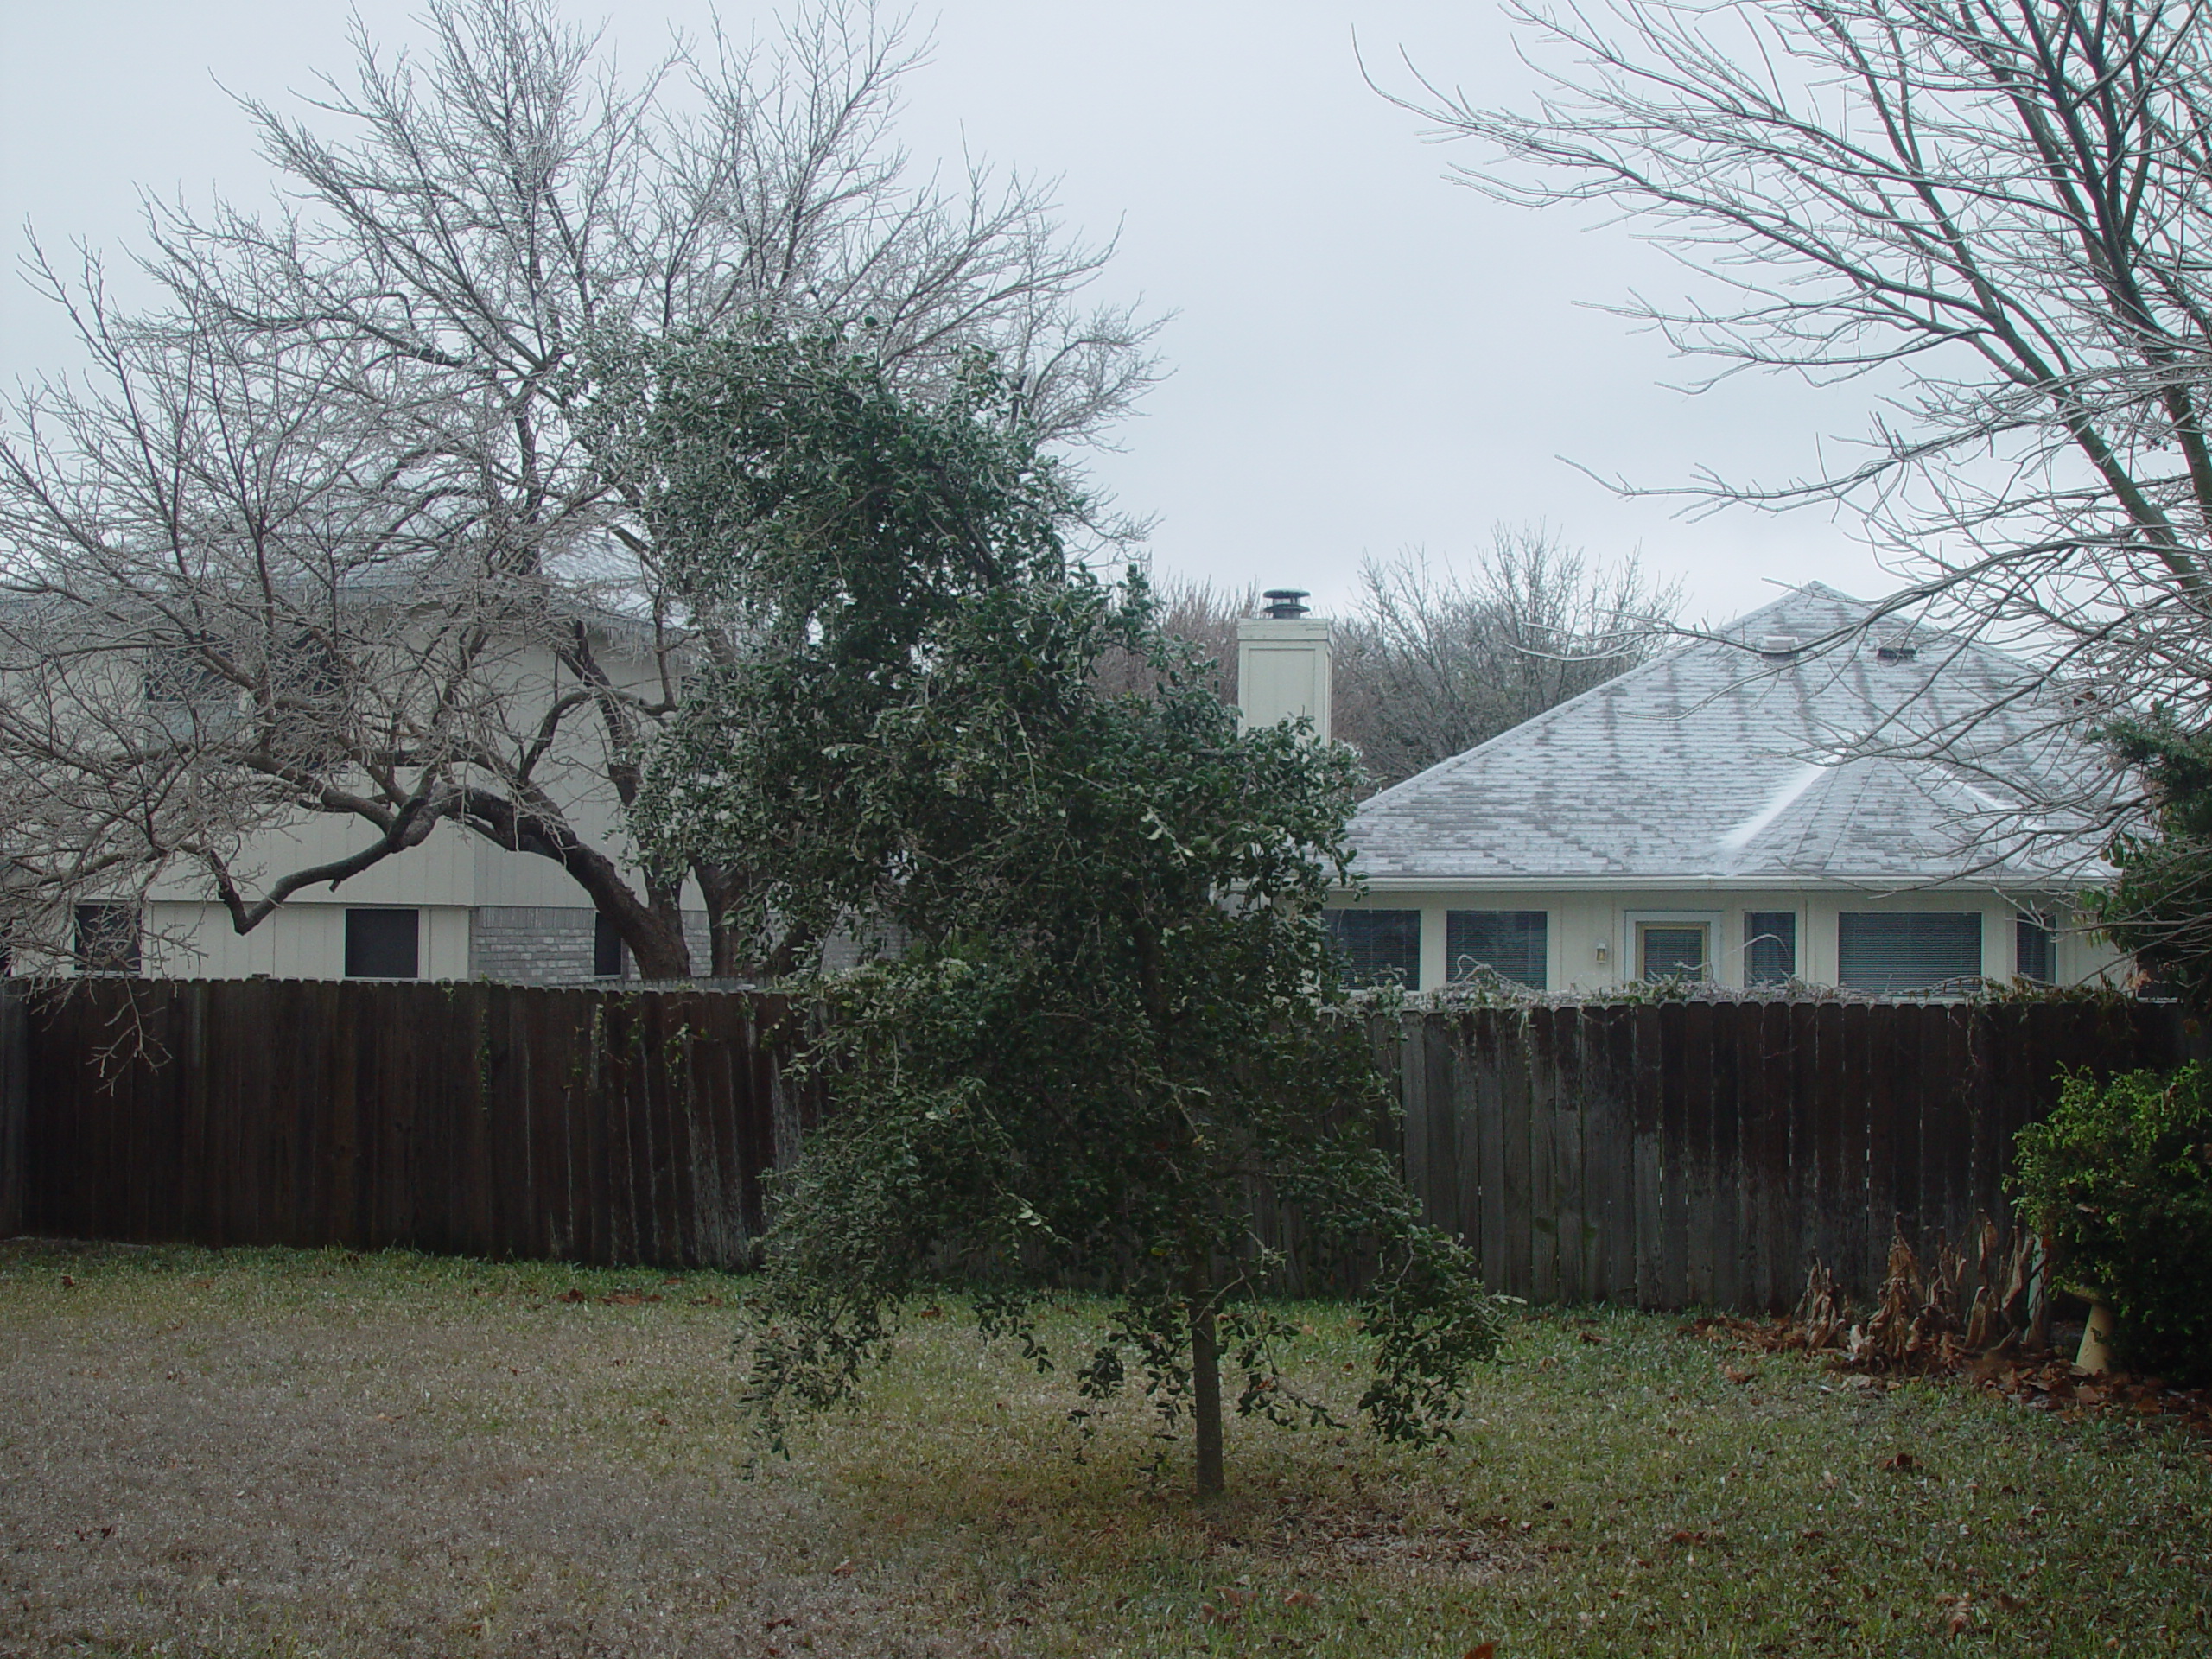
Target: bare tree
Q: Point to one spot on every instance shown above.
(322, 537)
(1995, 216)
(1204, 617)
(1434, 661)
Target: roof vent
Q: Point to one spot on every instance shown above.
(1896, 651)
(1282, 603)
(1778, 647)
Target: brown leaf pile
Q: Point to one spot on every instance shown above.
(1999, 1343)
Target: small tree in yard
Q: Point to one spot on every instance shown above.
(1106, 1035)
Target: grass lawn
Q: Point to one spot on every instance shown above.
(259, 1452)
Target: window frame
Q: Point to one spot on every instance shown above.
(1541, 934)
(2027, 922)
(414, 950)
(1638, 920)
(607, 944)
(1752, 935)
(1334, 917)
(1846, 920)
(94, 957)
(185, 697)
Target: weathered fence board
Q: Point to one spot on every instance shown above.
(479, 1119)
(1663, 1155)
(15, 1067)
(1705, 1154)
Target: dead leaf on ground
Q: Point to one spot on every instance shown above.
(1301, 1598)
(1903, 1464)
(1482, 1650)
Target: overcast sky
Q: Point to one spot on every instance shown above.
(1365, 358)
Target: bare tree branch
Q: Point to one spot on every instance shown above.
(320, 535)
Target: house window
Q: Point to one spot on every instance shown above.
(1907, 951)
(2035, 949)
(606, 948)
(383, 943)
(187, 698)
(107, 938)
(1674, 950)
(1379, 946)
(1769, 946)
(1510, 942)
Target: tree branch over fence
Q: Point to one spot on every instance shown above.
(1993, 216)
(317, 536)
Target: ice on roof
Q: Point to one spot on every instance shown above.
(1711, 760)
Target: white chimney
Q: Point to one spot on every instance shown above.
(1282, 663)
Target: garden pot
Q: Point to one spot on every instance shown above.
(2095, 1356)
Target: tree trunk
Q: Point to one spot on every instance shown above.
(658, 950)
(1205, 1395)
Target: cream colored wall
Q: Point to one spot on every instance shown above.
(1582, 920)
(301, 941)
(439, 872)
(188, 933)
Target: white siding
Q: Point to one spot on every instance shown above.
(1581, 920)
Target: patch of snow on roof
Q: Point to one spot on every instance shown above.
(1741, 837)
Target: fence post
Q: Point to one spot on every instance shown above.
(15, 1104)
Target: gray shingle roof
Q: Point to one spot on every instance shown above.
(1713, 762)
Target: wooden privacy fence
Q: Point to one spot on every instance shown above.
(1683, 1154)
(1667, 1156)
(475, 1118)
(15, 1101)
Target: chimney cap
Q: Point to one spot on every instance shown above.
(1282, 603)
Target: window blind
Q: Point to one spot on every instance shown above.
(1769, 946)
(1673, 949)
(1379, 946)
(1513, 943)
(1911, 951)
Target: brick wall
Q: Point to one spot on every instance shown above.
(531, 944)
(551, 944)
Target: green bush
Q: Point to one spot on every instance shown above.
(2119, 1181)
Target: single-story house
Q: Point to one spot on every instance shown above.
(1763, 804)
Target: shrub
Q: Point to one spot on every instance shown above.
(2119, 1181)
